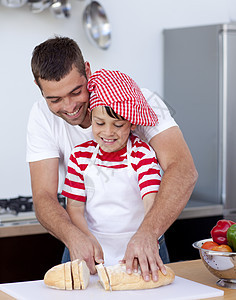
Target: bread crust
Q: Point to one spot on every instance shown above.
(55, 277)
(119, 279)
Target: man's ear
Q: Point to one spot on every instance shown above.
(35, 82)
(133, 127)
(88, 69)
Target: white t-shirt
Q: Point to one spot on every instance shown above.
(49, 136)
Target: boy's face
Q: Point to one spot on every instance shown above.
(111, 134)
(68, 98)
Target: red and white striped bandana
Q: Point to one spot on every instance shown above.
(122, 94)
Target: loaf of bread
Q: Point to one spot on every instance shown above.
(115, 278)
(68, 276)
(75, 275)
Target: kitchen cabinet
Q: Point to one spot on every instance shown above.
(184, 232)
(28, 257)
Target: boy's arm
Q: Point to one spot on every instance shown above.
(148, 201)
(75, 210)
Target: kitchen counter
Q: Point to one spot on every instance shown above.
(24, 223)
(24, 228)
(200, 209)
(196, 271)
(193, 270)
(27, 224)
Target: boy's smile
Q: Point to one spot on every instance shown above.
(110, 133)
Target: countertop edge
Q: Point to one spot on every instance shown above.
(20, 230)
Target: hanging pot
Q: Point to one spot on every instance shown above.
(13, 3)
(96, 25)
(37, 6)
(60, 8)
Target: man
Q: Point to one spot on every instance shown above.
(62, 121)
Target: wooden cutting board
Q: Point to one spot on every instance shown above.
(180, 289)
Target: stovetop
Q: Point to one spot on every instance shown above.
(16, 205)
(20, 210)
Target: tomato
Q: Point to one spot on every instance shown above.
(209, 245)
(222, 248)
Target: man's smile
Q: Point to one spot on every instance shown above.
(74, 113)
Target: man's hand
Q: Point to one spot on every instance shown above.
(143, 249)
(86, 248)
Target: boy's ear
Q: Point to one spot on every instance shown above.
(133, 127)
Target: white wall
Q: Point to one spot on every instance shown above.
(136, 49)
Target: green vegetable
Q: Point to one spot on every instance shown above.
(231, 237)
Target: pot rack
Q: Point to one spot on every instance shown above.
(59, 8)
(95, 21)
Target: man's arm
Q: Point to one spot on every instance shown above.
(177, 184)
(179, 179)
(44, 181)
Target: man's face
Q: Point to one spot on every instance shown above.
(69, 98)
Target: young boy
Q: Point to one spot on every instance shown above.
(112, 180)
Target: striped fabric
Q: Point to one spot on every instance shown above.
(121, 93)
(143, 161)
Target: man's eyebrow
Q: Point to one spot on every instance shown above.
(74, 89)
(52, 97)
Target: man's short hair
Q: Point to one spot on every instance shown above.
(53, 59)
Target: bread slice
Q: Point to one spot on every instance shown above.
(103, 278)
(75, 274)
(68, 277)
(84, 274)
(55, 277)
(119, 279)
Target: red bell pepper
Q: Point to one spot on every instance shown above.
(219, 231)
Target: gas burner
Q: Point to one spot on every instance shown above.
(22, 204)
(16, 205)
